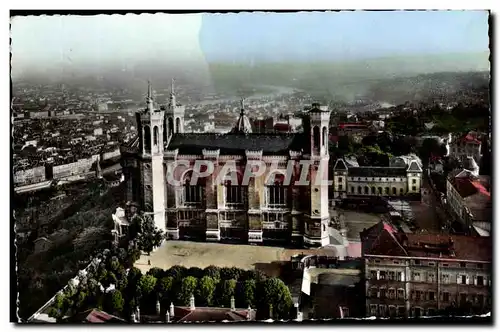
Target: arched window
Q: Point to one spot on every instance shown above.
(373, 190)
(177, 125)
(192, 193)
(401, 191)
(155, 135)
(394, 191)
(352, 190)
(170, 126)
(276, 191)
(316, 138)
(379, 190)
(147, 139)
(387, 190)
(366, 190)
(233, 193)
(325, 137)
(359, 189)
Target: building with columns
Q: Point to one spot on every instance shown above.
(402, 178)
(218, 208)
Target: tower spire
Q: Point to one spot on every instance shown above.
(242, 103)
(172, 93)
(149, 99)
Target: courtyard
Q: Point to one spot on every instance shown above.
(202, 254)
(356, 221)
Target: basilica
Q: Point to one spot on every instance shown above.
(265, 209)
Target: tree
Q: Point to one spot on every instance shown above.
(114, 302)
(431, 147)
(60, 306)
(134, 274)
(91, 239)
(156, 272)
(228, 273)
(369, 140)
(109, 279)
(372, 156)
(113, 264)
(177, 272)
(273, 292)
(206, 291)
(256, 275)
(213, 272)
(164, 288)
(195, 272)
(133, 256)
(245, 293)
(149, 237)
(188, 288)
(225, 290)
(147, 284)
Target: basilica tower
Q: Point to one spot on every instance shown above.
(316, 228)
(151, 169)
(174, 116)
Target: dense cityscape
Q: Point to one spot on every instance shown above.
(166, 201)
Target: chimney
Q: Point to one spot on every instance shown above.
(172, 312)
(249, 313)
(233, 304)
(167, 317)
(158, 307)
(138, 311)
(191, 303)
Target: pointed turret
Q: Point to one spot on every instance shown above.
(243, 125)
(172, 94)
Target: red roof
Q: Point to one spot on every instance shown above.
(463, 247)
(282, 127)
(96, 316)
(480, 188)
(471, 139)
(467, 187)
(351, 125)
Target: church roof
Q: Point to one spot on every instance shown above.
(414, 167)
(340, 165)
(232, 143)
(377, 171)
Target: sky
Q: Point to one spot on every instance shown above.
(63, 43)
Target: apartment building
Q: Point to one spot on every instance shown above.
(466, 146)
(468, 198)
(413, 275)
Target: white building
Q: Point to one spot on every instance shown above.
(402, 177)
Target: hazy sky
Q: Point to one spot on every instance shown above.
(342, 35)
(67, 42)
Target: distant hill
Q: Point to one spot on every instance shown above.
(346, 80)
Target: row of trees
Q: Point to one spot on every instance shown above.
(377, 150)
(109, 286)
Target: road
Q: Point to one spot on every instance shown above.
(432, 199)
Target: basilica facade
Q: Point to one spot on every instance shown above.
(215, 208)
